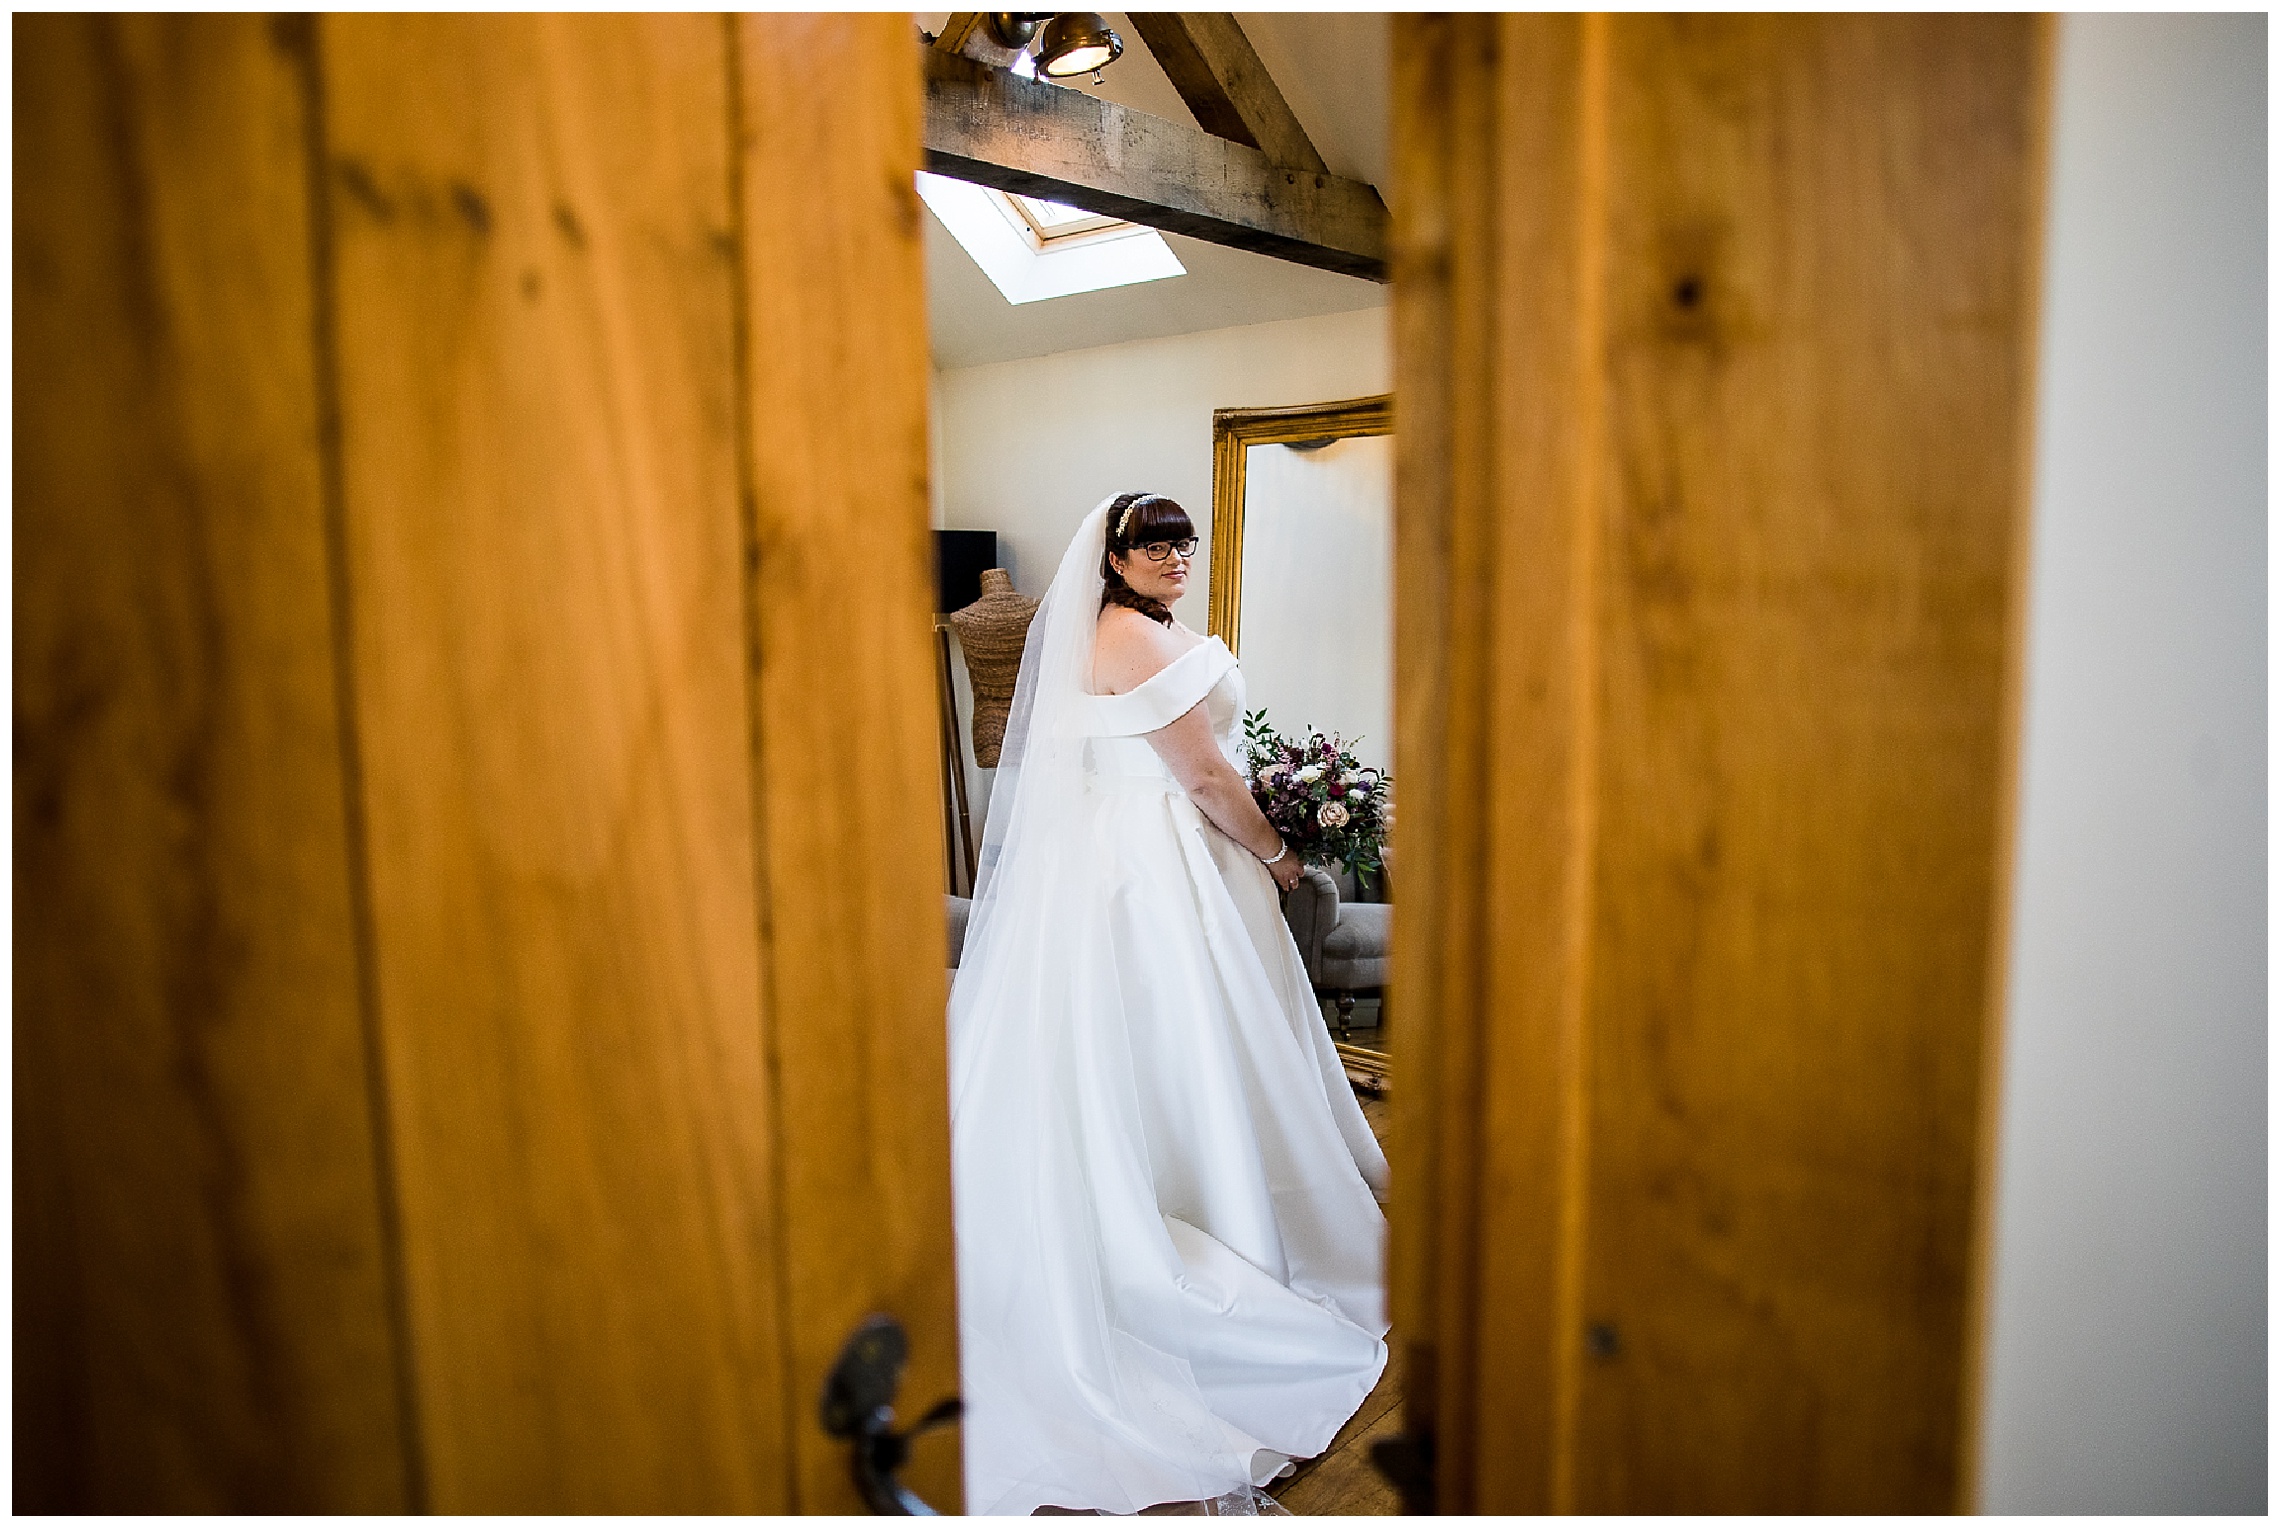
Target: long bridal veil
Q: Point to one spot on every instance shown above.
(1040, 773)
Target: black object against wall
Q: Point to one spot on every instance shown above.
(959, 559)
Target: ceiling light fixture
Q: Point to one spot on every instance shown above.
(1077, 42)
(1014, 29)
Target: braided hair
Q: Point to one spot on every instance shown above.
(1134, 520)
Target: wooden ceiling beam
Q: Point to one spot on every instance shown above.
(993, 128)
(1218, 73)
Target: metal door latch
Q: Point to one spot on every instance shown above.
(858, 1404)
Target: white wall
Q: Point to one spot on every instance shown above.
(1025, 448)
(2127, 1345)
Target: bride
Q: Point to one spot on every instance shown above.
(1167, 1201)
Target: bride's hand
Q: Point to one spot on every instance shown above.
(1286, 871)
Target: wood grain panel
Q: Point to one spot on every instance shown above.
(846, 796)
(1713, 341)
(1497, 316)
(202, 1314)
(536, 289)
(1820, 307)
(1423, 1301)
(1540, 492)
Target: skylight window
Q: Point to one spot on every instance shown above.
(1050, 220)
(1033, 249)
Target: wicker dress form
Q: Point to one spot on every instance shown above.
(991, 631)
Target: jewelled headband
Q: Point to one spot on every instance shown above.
(1126, 518)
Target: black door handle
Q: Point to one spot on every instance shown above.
(858, 1404)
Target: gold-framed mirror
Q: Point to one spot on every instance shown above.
(1301, 589)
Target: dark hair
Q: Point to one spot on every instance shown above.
(1152, 517)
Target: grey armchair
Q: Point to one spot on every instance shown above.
(1343, 943)
(959, 909)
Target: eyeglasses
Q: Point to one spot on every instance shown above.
(1158, 551)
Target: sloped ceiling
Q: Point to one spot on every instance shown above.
(1331, 67)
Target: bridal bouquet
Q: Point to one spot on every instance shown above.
(1319, 797)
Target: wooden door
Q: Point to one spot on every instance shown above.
(1713, 349)
(472, 744)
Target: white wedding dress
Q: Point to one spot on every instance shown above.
(1170, 1247)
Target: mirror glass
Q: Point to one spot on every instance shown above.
(1317, 636)
(1303, 590)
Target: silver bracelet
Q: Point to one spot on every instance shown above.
(1285, 849)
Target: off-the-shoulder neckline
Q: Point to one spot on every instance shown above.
(1210, 641)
